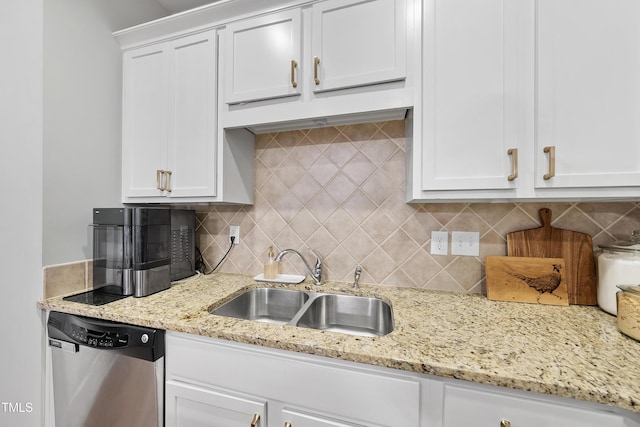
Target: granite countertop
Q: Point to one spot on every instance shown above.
(574, 351)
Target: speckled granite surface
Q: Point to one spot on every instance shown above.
(574, 351)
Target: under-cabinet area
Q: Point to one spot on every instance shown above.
(231, 384)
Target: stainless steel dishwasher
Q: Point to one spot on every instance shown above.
(105, 373)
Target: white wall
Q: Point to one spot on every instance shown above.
(21, 213)
(82, 116)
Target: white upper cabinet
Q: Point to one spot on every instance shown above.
(169, 117)
(357, 43)
(144, 149)
(588, 93)
(192, 116)
(172, 148)
(558, 80)
(263, 57)
(353, 43)
(471, 135)
(318, 63)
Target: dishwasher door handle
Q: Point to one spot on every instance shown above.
(64, 345)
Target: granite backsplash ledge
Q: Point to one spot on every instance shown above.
(340, 190)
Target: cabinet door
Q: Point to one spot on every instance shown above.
(471, 95)
(485, 409)
(358, 43)
(588, 92)
(144, 123)
(191, 406)
(263, 57)
(192, 116)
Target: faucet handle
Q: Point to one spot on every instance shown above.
(318, 262)
(318, 267)
(356, 277)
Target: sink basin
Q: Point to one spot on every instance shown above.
(269, 305)
(353, 315)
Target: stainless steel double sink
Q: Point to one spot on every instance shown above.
(354, 315)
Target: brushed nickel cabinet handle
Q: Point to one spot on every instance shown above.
(167, 181)
(316, 62)
(552, 162)
(505, 423)
(159, 174)
(513, 152)
(294, 64)
(287, 424)
(255, 419)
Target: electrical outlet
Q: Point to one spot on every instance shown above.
(439, 242)
(234, 231)
(466, 243)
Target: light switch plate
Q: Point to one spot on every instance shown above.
(466, 243)
(439, 242)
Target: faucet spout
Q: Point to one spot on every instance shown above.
(315, 272)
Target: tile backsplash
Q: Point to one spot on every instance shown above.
(340, 190)
(62, 279)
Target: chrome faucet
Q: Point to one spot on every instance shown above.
(316, 272)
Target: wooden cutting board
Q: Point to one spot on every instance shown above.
(527, 279)
(574, 247)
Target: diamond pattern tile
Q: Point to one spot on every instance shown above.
(340, 190)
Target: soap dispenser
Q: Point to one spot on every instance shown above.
(271, 266)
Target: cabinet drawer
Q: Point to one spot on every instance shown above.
(337, 389)
(301, 419)
(487, 409)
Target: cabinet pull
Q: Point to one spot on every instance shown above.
(159, 175)
(316, 62)
(294, 64)
(513, 152)
(505, 423)
(255, 419)
(287, 424)
(167, 181)
(552, 162)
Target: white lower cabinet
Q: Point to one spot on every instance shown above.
(293, 418)
(193, 406)
(218, 383)
(484, 408)
(205, 376)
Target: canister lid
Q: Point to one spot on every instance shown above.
(631, 245)
(634, 289)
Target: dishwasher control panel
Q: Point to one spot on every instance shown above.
(127, 340)
(103, 339)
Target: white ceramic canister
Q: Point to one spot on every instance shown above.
(618, 264)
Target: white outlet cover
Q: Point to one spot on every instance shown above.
(234, 230)
(465, 243)
(439, 242)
